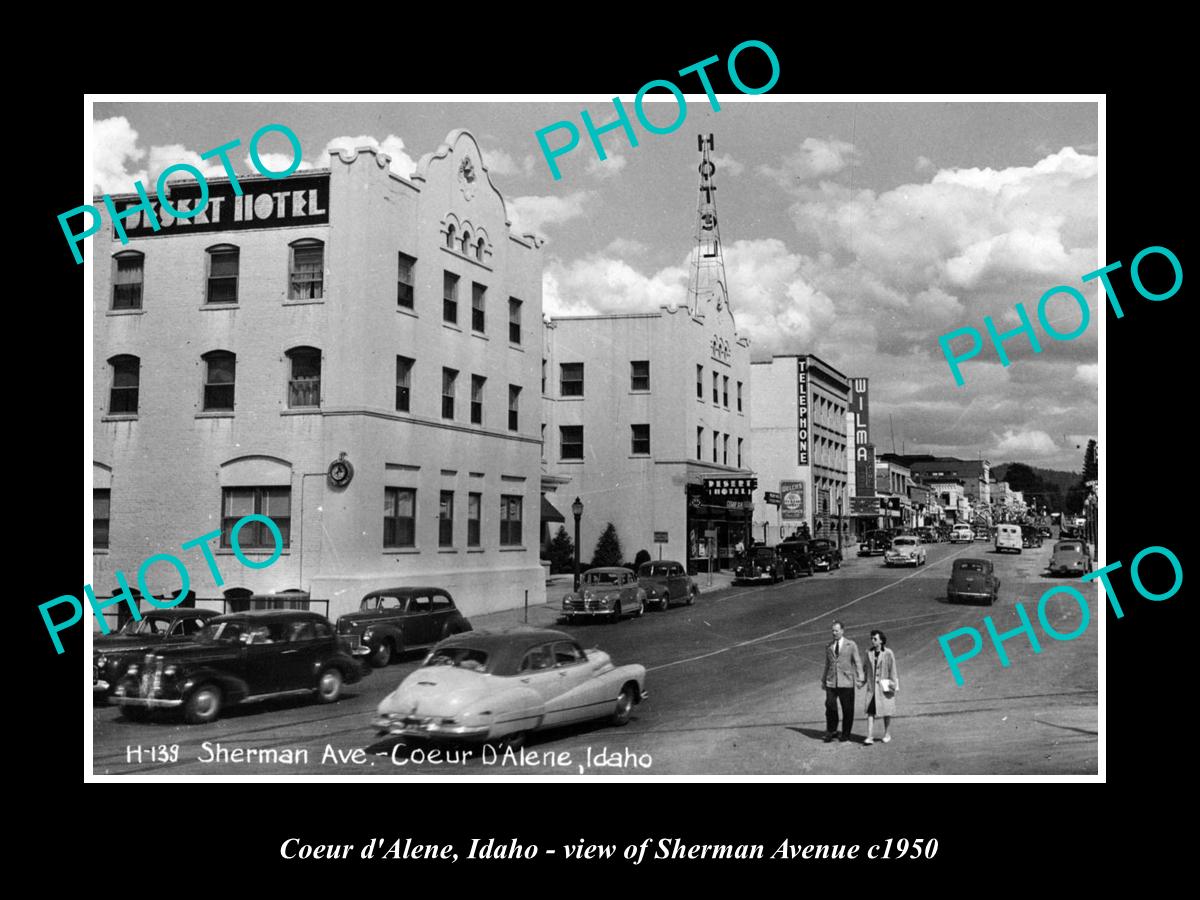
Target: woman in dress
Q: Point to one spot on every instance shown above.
(882, 682)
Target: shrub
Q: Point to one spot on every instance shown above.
(608, 549)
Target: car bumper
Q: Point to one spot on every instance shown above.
(407, 726)
(100, 686)
(901, 560)
(753, 579)
(969, 595)
(154, 702)
(594, 611)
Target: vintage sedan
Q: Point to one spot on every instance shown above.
(826, 554)
(874, 542)
(962, 534)
(973, 579)
(667, 580)
(113, 653)
(240, 657)
(608, 591)
(906, 550)
(760, 563)
(392, 621)
(797, 557)
(492, 686)
(1070, 558)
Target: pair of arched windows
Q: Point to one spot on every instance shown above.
(465, 244)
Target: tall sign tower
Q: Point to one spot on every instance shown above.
(707, 285)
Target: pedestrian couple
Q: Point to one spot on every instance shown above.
(844, 671)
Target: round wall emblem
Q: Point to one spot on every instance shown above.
(792, 500)
(341, 472)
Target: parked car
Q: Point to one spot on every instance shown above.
(112, 653)
(239, 657)
(1070, 557)
(826, 554)
(392, 621)
(500, 685)
(1045, 532)
(797, 556)
(760, 563)
(874, 543)
(961, 534)
(926, 535)
(608, 591)
(973, 579)
(906, 550)
(667, 580)
(1008, 537)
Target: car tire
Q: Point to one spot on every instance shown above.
(382, 654)
(641, 610)
(664, 601)
(514, 741)
(203, 705)
(811, 570)
(624, 708)
(616, 613)
(329, 688)
(691, 597)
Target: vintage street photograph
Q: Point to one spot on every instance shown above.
(536, 439)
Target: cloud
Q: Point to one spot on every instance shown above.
(815, 159)
(277, 162)
(625, 247)
(115, 152)
(1088, 374)
(606, 168)
(727, 165)
(1026, 444)
(924, 164)
(535, 213)
(401, 163)
(499, 162)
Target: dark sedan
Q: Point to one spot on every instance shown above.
(973, 579)
(760, 564)
(392, 621)
(112, 653)
(875, 543)
(666, 580)
(826, 554)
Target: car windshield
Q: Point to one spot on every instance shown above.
(961, 566)
(468, 658)
(764, 553)
(655, 570)
(904, 542)
(225, 632)
(1068, 547)
(602, 578)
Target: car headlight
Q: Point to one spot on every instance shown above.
(133, 669)
(368, 634)
(651, 593)
(101, 662)
(172, 671)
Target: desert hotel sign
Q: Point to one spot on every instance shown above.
(301, 200)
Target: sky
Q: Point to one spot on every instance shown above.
(860, 232)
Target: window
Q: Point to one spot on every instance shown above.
(101, 498)
(446, 519)
(127, 280)
(510, 520)
(474, 511)
(478, 299)
(699, 382)
(123, 398)
(404, 281)
(404, 367)
(399, 517)
(514, 400)
(223, 274)
(725, 391)
(449, 376)
(219, 369)
(450, 236)
(571, 446)
(572, 379)
(466, 242)
(449, 298)
(479, 250)
(639, 375)
(739, 449)
(477, 382)
(514, 331)
(304, 386)
(307, 280)
(543, 440)
(739, 396)
(641, 440)
(716, 438)
(716, 396)
(543, 375)
(273, 502)
(699, 443)
(725, 450)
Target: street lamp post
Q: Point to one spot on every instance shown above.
(839, 522)
(577, 511)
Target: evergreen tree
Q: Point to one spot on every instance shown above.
(562, 552)
(608, 549)
(643, 556)
(1091, 467)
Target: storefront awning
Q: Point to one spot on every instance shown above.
(549, 513)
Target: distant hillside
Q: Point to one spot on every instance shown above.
(1046, 487)
(1064, 480)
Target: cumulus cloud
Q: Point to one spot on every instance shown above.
(606, 168)
(401, 163)
(500, 162)
(277, 162)
(727, 165)
(625, 247)
(535, 213)
(924, 164)
(815, 159)
(1025, 444)
(115, 155)
(1088, 374)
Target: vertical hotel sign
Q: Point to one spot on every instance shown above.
(802, 411)
(864, 456)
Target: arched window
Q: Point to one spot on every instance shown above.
(307, 269)
(479, 250)
(450, 236)
(126, 374)
(466, 241)
(223, 262)
(304, 378)
(220, 367)
(127, 280)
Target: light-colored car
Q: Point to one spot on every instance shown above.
(1070, 558)
(1008, 537)
(500, 685)
(667, 581)
(961, 534)
(611, 592)
(906, 550)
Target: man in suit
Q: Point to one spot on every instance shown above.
(843, 672)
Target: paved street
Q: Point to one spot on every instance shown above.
(733, 684)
